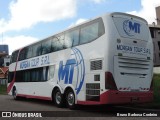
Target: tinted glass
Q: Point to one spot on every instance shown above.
(29, 52)
(23, 54)
(58, 43)
(10, 76)
(45, 73)
(27, 76)
(14, 56)
(89, 33)
(46, 47)
(51, 72)
(71, 38)
(36, 50)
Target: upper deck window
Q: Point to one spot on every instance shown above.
(14, 56)
(91, 31)
(71, 38)
(81, 34)
(46, 47)
(58, 43)
(36, 50)
(29, 52)
(22, 54)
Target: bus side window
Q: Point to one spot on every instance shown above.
(53, 45)
(26, 76)
(10, 76)
(58, 43)
(14, 56)
(19, 76)
(46, 47)
(101, 29)
(51, 72)
(89, 33)
(71, 38)
(22, 54)
(36, 50)
(45, 73)
(33, 75)
(29, 52)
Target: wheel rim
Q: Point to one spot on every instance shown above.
(70, 99)
(58, 97)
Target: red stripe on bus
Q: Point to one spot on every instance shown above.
(33, 96)
(88, 103)
(117, 97)
(12, 83)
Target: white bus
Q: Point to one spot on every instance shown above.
(106, 60)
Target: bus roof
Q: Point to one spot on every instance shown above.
(126, 14)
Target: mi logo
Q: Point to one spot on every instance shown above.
(131, 28)
(66, 71)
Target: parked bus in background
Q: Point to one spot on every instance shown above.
(106, 60)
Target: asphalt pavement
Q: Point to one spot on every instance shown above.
(33, 107)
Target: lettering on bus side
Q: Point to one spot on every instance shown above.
(45, 60)
(35, 62)
(66, 71)
(24, 64)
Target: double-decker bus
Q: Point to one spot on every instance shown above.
(106, 60)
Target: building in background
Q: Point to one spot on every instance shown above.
(4, 62)
(4, 56)
(155, 34)
(3, 72)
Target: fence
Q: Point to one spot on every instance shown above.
(3, 81)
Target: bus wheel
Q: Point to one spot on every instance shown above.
(70, 99)
(58, 98)
(14, 94)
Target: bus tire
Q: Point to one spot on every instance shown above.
(70, 99)
(58, 98)
(14, 94)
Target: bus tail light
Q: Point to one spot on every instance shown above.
(109, 81)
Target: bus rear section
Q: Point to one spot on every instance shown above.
(131, 49)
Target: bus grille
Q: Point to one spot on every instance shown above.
(96, 65)
(93, 91)
(133, 64)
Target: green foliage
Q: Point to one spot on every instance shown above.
(156, 87)
(3, 89)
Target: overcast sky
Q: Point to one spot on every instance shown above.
(25, 21)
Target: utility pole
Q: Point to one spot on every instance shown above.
(158, 15)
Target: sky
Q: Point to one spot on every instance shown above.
(23, 22)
